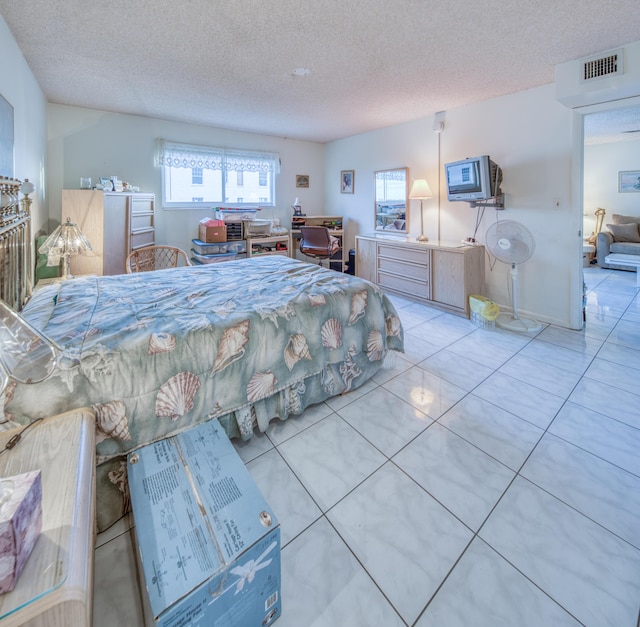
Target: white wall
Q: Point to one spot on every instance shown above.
(602, 162)
(86, 142)
(529, 135)
(21, 90)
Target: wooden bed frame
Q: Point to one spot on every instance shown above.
(16, 247)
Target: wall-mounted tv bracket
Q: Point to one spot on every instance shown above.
(497, 202)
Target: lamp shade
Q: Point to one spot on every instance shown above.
(67, 239)
(420, 189)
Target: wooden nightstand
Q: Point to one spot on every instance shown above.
(55, 588)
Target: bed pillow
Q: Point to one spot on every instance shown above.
(43, 271)
(625, 232)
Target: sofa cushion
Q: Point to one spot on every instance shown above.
(625, 232)
(617, 218)
(628, 248)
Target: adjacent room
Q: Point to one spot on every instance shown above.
(319, 314)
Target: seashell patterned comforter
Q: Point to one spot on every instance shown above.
(244, 342)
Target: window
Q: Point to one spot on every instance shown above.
(193, 175)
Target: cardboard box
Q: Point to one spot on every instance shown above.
(20, 524)
(209, 234)
(208, 543)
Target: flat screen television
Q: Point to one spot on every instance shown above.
(477, 178)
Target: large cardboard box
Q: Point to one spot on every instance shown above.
(215, 233)
(208, 543)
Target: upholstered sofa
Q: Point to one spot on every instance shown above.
(622, 236)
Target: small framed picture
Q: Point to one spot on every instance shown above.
(346, 181)
(107, 183)
(302, 180)
(629, 181)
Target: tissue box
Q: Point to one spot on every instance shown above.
(212, 231)
(20, 524)
(209, 545)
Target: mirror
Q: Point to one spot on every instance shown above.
(391, 191)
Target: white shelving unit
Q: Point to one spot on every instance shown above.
(272, 245)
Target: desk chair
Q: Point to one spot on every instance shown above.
(317, 242)
(156, 258)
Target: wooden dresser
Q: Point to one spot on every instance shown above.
(437, 273)
(115, 223)
(55, 589)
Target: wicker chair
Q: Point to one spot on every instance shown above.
(156, 258)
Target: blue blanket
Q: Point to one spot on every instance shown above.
(244, 342)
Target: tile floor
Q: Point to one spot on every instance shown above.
(489, 478)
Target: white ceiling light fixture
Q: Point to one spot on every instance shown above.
(301, 71)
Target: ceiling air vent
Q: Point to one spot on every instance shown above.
(602, 66)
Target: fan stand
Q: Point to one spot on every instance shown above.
(514, 322)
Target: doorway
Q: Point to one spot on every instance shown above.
(610, 147)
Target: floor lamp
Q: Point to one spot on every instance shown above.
(419, 191)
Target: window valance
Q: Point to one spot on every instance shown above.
(211, 158)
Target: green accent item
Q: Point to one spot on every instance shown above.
(43, 271)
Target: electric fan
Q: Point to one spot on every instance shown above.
(512, 243)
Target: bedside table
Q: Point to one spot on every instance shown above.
(55, 588)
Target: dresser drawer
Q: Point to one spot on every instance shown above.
(142, 204)
(413, 270)
(141, 221)
(142, 239)
(413, 287)
(413, 255)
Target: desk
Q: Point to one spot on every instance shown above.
(55, 589)
(335, 224)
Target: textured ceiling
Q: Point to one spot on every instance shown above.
(613, 126)
(372, 63)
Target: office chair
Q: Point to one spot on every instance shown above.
(317, 242)
(156, 258)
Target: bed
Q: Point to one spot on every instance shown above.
(243, 342)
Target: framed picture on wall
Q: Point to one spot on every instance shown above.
(629, 181)
(6, 138)
(347, 181)
(302, 180)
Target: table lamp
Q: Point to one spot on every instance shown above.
(419, 191)
(66, 241)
